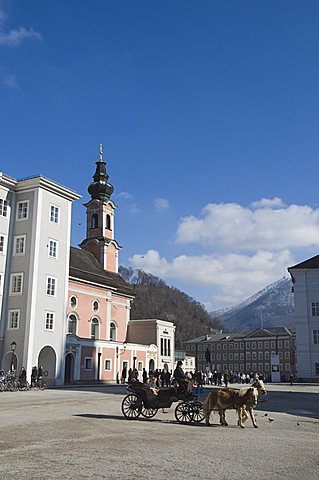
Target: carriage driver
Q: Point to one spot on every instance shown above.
(181, 378)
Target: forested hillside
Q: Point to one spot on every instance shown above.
(155, 299)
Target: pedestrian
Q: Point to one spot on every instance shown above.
(291, 379)
(124, 373)
(144, 374)
(34, 376)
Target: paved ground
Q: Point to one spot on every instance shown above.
(81, 434)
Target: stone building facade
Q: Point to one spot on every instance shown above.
(246, 353)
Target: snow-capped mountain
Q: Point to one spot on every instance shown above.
(273, 306)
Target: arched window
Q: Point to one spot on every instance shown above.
(72, 324)
(112, 331)
(95, 220)
(94, 329)
(108, 222)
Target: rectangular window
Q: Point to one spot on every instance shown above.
(286, 343)
(231, 356)
(231, 367)
(267, 368)
(53, 248)
(140, 366)
(287, 367)
(19, 245)
(218, 356)
(236, 346)
(266, 355)
(88, 363)
(253, 345)
(199, 348)
(219, 346)
(267, 344)
(49, 320)
(242, 367)
(254, 355)
(236, 356)
(248, 345)
(14, 317)
(287, 355)
(51, 286)
(212, 347)
(54, 214)
(200, 356)
(231, 346)
(279, 343)
(107, 364)
(260, 356)
(1, 244)
(225, 346)
(260, 367)
(254, 367)
(22, 210)
(315, 334)
(241, 356)
(3, 207)
(260, 345)
(242, 346)
(247, 355)
(16, 284)
(168, 347)
(315, 309)
(224, 356)
(272, 344)
(248, 366)
(162, 347)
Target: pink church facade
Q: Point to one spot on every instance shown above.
(99, 300)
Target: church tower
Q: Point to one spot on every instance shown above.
(100, 219)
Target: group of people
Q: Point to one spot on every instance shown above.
(165, 377)
(36, 375)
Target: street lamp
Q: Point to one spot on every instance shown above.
(13, 347)
(118, 352)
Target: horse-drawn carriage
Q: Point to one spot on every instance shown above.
(146, 401)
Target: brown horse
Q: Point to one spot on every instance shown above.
(243, 400)
(226, 398)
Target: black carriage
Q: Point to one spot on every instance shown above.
(146, 401)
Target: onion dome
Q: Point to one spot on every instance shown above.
(100, 189)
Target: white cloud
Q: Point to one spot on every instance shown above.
(134, 209)
(233, 227)
(10, 81)
(268, 202)
(232, 277)
(161, 204)
(15, 37)
(125, 195)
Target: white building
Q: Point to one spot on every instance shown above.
(305, 278)
(35, 219)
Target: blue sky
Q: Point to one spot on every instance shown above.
(208, 116)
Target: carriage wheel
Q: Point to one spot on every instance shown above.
(131, 406)
(197, 412)
(183, 412)
(149, 412)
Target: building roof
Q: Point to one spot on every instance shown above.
(310, 263)
(228, 337)
(84, 266)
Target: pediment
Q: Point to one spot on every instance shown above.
(259, 332)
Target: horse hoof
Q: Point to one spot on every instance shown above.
(256, 426)
(242, 426)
